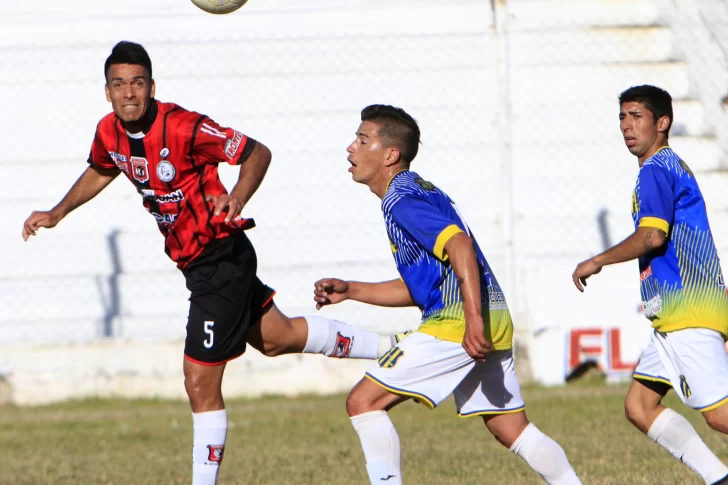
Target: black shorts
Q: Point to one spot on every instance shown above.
(226, 298)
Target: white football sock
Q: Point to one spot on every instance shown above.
(674, 433)
(545, 456)
(337, 339)
(210, 431)
(380, 443)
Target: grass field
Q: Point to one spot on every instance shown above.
(309, 440)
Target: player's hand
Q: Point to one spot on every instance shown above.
(38, 219)
(474, 342)
(330, 291)
(583, 271)
(226, 203)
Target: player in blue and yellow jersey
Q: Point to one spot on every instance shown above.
(463, 344)
(683, 290)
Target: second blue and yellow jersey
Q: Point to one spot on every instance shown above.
(682, 283)
(420, 220)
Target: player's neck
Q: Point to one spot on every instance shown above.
(382, 184)
(659, 144)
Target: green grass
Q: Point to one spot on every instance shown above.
(309, 440)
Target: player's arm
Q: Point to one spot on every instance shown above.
(641, 242)
(252, 172)
(394, 293)
(88, 186)
(460, 252)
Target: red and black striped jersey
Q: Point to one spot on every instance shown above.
(173, 165)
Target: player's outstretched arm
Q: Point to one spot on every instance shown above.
(88, 185)
(459, 250)
(642, 241)
(394, 293)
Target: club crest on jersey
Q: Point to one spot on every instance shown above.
(215, 453)
(342, 348)
(140, 169)
(164, 152)
(165, 170)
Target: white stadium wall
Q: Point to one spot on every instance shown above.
(517, 107)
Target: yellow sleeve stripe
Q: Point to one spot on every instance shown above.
(655, 222)
(443, 238)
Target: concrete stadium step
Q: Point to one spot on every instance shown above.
(541, 15)
(595, 45)
(585, 83)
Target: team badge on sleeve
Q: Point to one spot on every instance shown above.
(140, 169)
(233, 144)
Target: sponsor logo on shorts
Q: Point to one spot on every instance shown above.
(215, 453)
(165, 171)
(232, 145)
(391, 358)
(684, 387)
(342, 348)
(652, 307)
(140, 169)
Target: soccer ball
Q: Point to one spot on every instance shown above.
(219, 6)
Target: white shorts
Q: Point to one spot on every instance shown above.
(693, 361)
(429, 370)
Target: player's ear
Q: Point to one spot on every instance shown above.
(393, 156)
(152, 89)
(663, 123)
(108, 93)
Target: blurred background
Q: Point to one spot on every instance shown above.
(517, 104)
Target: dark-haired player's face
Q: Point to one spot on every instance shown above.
(129, 90)
(639, 129)
(367, 155)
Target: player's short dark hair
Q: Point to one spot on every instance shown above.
(126, 52)
(655, 99)
(396, 128)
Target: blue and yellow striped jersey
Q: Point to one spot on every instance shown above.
(420, 220)
(682, 282)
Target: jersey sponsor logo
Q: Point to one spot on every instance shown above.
(175, 196)
(429, 186)
(165, 171)
(165, 219)
(233, 144)
(652, 307)
(721, 281)
(391, 358)
(342, 347)
(140, 169)
(215, 453)
(684, 387)
(164, 152)
(646, 273)
(120, 161)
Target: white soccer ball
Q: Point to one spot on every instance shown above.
(219, 6)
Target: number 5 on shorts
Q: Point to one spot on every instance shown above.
(210, 335)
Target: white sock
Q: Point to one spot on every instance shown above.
(337, 339)
(674, 433)
(545, 456)
(380, 443)
(210, 431)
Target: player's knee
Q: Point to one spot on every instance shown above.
(202, 395)
(357, 404)
(274, 349)
(717, 421)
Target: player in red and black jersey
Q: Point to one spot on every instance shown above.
(171, 156)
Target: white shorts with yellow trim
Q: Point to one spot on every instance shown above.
(429, 370)
(693, 361)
